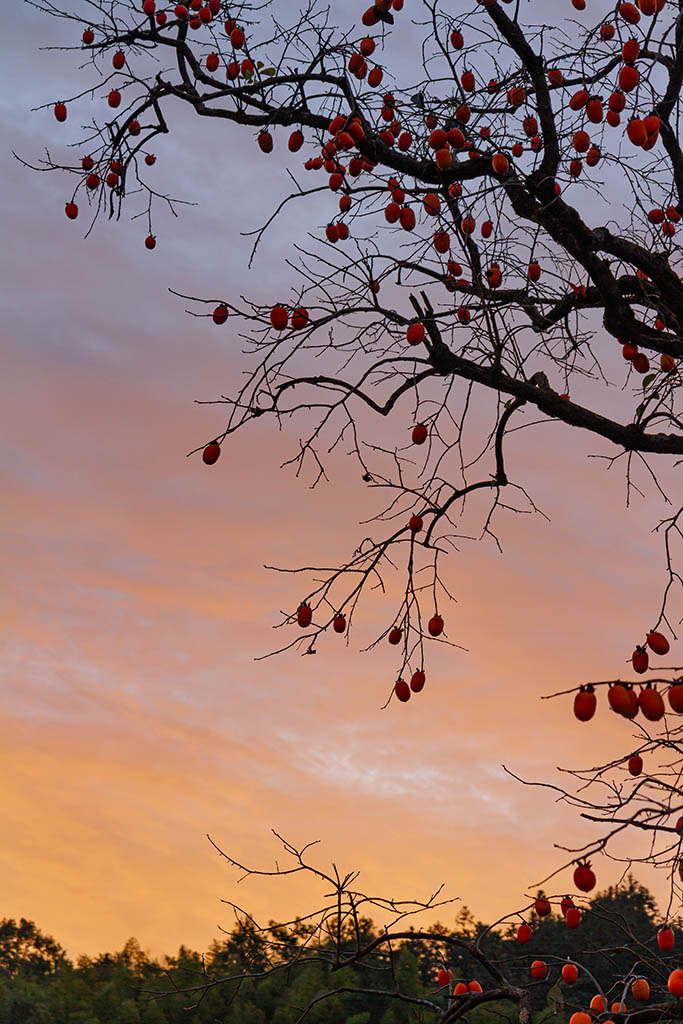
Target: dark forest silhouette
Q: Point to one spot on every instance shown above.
(39, 984)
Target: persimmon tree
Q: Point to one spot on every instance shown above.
(500, 218)
(478, 263)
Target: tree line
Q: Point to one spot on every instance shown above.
(40, 984)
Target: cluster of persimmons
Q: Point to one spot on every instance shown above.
(623, 698)
(539, 970)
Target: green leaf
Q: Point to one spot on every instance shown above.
(269, 71)
(259, 64)
(648, 380)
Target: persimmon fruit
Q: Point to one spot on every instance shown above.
(640, 990)
(402, 690)
(435, 625)
(675, 697)
(211, 453)
(658, 643)
(407, 218)
(617, 697)
(584, 877)
(581, 141)
(500, 163)
(415, 334)
(675, 983)
(579, 99)
(628, 78)
(651, 703)
(431, 204)
(304, 615)
(640, 659)
(299, 318)
(641, 364)
(417, 680)
(573, 917)
(279, 318)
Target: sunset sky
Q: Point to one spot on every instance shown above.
(135, 600)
